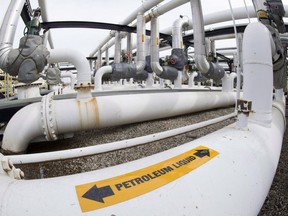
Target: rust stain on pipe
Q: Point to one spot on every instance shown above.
(88, 114)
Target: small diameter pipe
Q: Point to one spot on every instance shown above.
(147, 5)
(70, 75)
(98, 77)
(191, 79)
(199, 39)
(141, 32)
(113, 146)
(117, 52)
(155, 65)
(43, 6)
(177, 43)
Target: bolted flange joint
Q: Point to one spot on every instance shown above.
(47, 118)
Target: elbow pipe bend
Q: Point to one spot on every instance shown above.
(27, 124)
(76, 58)
(209, 69)
(178, 25)
(98, 77)
(8, 29)
(50, 119)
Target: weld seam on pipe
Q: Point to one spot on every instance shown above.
(107, 147)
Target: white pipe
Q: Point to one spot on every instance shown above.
(117, 52)
(228, 82)
(177, 43)
(155, 65)
(8, 29)
(141, 37)
(153, 13)
(242, 174)
(177, 29)
(199, 37)
(43, 6)
(107, 57)
(65, 116)
(191, 79)
(156, 12)
(220, 16)
(98, 77)
(71, 76)
(147, 5)
(99, 60)
(76, 58)
(129, 47)
(258, 69)
(113, 146)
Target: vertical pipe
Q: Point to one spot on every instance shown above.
(177, 38)
(258, 71)
(177, 43)
(117, 54)
(155, 65)
(99, 59)
(199, 38)
(129, 47)
(107, 56)
(8, 29)
(141, 61)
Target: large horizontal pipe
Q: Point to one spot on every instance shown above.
(56, 117)
(235, 182)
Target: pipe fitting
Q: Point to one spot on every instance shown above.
(48, 119)
(28, 60)
(213, 70)
(80, 62)
(127, 71)
(177, 59)
(169, 73)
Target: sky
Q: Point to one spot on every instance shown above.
(110, 11)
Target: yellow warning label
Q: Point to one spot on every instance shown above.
(107, 192)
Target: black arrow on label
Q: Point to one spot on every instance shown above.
(202, 153)
(97, 194)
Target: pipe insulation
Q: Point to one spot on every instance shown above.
(258, 47)
(209, 69)
(141, 37)
(8, 29)
(55, 117)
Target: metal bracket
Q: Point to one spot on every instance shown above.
(244, 106)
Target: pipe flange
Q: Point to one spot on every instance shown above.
(47, 118)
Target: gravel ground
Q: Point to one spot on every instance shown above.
(275, 204)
